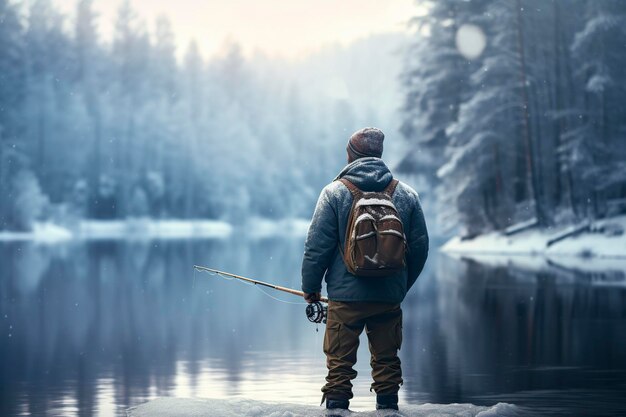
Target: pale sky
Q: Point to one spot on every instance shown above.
(287, 28)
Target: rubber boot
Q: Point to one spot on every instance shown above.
(335, 405)
(387, 402)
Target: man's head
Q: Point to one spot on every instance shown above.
(365, 142)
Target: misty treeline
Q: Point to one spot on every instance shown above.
(110, 129)
(534, 129)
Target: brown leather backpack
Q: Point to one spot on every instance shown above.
(375, 244)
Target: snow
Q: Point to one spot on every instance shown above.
(516, 228)
(152, 229)
(362, 217)
(605, 272)
(239, 407)
(145, 228)
(366, 235)
(373, 260)
(102, 229)
(122, 229)
(392, 232)
(260, 228)
(42, 233)
(390, 217)
(591, 243)
(374, 202)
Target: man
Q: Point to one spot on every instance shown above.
(358, 302)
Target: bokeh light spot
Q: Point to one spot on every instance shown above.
(470, 41)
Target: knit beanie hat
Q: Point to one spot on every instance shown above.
(366, 142)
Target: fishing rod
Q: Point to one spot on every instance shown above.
(315, 311)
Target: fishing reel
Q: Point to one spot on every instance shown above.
(316, 312)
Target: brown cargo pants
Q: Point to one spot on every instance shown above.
(383, 324)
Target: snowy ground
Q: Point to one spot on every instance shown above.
(601, 241)
(188, 407)
(264, 228)
(156, 229)
(42, 232)
(566, 270)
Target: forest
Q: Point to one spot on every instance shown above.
(530, 131)
(533, 131)
(99, 129)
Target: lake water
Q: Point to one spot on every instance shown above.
(89, 329)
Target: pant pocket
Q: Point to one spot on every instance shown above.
(398, 335)
(332, 339)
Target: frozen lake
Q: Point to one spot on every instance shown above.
(91, 328)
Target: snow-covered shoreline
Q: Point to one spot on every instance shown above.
(596, 242)
(237, 407)
(146, 229)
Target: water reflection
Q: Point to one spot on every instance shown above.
(92, 328)
(524, 331)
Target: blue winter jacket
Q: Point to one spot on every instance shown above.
(322, 259)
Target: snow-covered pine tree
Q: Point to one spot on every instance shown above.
(88, 59)
(11, 97)
(130, 92)
(162, 118)
(47, 53)
(489, 175)
(435, 81)
(596, 148)
(27, 200)
(538, 129)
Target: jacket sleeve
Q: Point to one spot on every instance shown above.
(418, 244)
(321, 243)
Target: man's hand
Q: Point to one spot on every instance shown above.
(311, 297)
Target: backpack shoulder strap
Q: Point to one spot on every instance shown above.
(354, 190)
(391, 188)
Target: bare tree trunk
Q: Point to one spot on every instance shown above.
(41, 136)
(531, 179)
(3, 191)
(563, 171)
(93, 108)
(500, 200)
